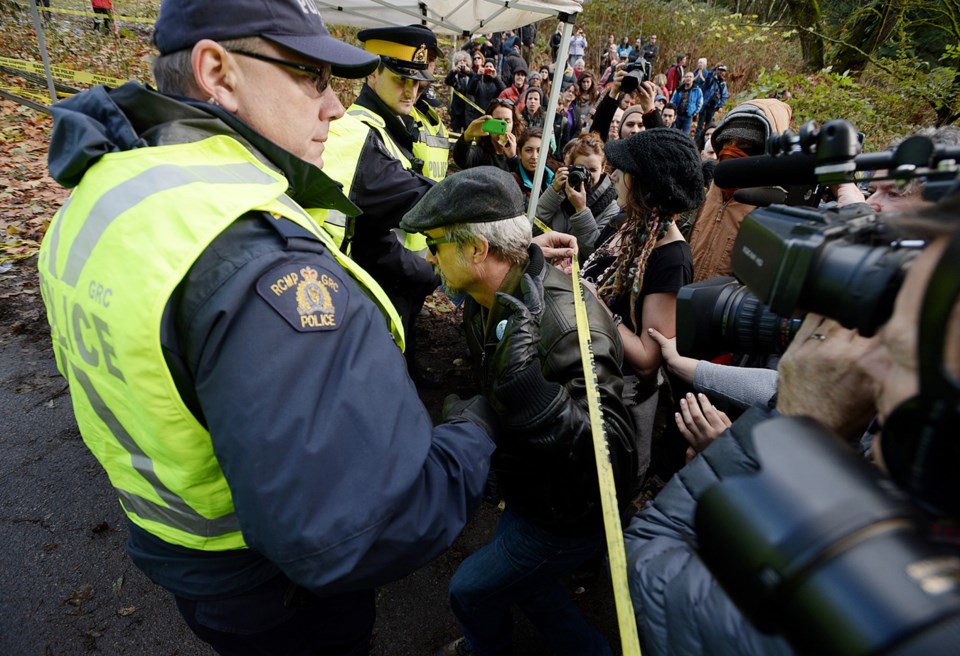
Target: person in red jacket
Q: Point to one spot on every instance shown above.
(675, 74)
(104, 20)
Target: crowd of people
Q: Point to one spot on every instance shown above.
(261, 253)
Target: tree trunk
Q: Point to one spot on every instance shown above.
(809, 21)
(868, 29)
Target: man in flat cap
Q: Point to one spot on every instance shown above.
(222, 354)
(521, 329)
(371, 153)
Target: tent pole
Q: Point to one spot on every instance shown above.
(44, 57)
(555, 88)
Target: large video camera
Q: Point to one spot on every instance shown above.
(637, 72)
(815, 544)
(842, 263)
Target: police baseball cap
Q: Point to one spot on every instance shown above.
(403, 50)
(293, 24)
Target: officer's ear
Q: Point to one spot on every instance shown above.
(216, 73)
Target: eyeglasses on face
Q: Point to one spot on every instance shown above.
(320, 76)
(433, 242)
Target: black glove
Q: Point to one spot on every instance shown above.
(520, 393)
(517, 350)
(475, 410)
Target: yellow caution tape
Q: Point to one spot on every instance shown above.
(26, 93)
(62, 73)
(544, 228)
(629, 641)
(469, 102)
(146, 20)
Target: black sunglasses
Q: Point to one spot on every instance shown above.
(321, 76)
(432, 242)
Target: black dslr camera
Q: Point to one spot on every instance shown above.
(577, 176)
(637, 72)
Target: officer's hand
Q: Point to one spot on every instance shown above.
(476, 410)
(519, 331)
(475, 129)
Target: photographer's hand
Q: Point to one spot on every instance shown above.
(681, 366)
(699, 422)
(821, 377)
(646, 94)
(475, 130)
(560, 179)
(617, 80)
(577, 197)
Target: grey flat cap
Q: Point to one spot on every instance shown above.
(478, 195)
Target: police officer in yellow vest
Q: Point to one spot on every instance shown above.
(432, 145)
(371, 152)
(239, 379)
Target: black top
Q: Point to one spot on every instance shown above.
(669, 268)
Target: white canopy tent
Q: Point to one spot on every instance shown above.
(462, 18)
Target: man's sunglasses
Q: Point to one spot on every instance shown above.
(432, 242)
(321, 76)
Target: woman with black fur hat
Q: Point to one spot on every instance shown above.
(643, 261)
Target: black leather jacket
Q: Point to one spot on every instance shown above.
(546, 468)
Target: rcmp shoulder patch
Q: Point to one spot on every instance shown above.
(309, 297)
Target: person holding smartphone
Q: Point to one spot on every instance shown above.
(483, 143)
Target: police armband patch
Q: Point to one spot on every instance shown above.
(309, 297)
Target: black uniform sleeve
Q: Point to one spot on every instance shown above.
(337, 475)
(384, 191)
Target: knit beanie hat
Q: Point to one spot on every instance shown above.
(666, 164)
(745, 122)
(632, 109)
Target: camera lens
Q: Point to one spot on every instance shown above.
(748, 326)
(720, 315)
(855, 284)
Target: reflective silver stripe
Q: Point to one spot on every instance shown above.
(54, 239)
(177, 514)
(336, 218)
(434, 141)
(376, 123)
(132, 192)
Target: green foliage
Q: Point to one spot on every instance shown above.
(740, 41)
(876, 105)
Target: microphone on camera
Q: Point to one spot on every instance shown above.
(761, 196)
(766, 171)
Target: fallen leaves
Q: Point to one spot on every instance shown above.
(28, 196)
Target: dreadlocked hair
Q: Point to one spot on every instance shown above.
(638, 235)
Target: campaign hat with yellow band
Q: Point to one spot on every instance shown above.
(404, 50)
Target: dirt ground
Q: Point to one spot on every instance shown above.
(66, 585)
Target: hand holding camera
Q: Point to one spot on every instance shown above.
(578, 180)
